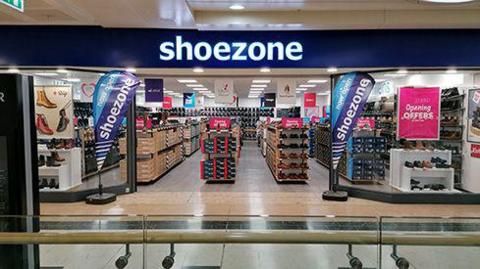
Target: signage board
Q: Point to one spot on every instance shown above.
(15, 4)
(286, 93)
(288, 123)
(153, 90)
(219, 123)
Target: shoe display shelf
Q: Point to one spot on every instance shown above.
(452, 128)
(221, 150)
(311, 141)
(63, 175)
(263, 139)
(364, 163)
(191, 137)
(322, 144)
(286, 154)
(89, 161)
(158, 151)
(249, 133)
(401, 176)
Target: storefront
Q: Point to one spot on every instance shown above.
(416, 141)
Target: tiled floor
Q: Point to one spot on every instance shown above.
(181, 192)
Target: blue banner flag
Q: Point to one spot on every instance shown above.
(113, 93)
(349, 98)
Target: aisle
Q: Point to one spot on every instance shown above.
(253, 175)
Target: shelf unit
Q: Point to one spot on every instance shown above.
(221, 150)
(287, 164)
(158, 151)
(191, 137)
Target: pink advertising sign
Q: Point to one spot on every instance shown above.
(219, 123)
(419, 113)
(292, 122)
(366, 123)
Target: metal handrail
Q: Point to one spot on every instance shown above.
(241, 237)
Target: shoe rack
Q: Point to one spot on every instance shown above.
(59, 169)
(286, 154)
(191, 137)
(364, 162)
(158, 151)
(322, 144)
(422, 174)
(221, 150)
(311, 141)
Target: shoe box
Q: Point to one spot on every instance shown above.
(364, 160)
(218, 145)
(218, 168)
(368, 145)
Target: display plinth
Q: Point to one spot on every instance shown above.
(101, 199)
(341, 196)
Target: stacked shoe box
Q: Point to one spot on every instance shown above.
(322, 144)
(220, 149)
(364, 162)
(311, 141)
(191, 141)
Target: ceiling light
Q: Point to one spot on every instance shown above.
(259, 86)
(301, 89)
(194, 85)
(131, 70)
(323, 93)
(46, 74)
(261, 81)
(101, 74)
(265, 70)
(72, 79)
(306, 86)
(200, 89)
(451, 71)
(394, 75)
(167, 91)
(236, 7)
(62, 70)
(186, 81)
(332, 69)
(13, 70)
(402, 71)
(142, 85)
(257, 89)
(380, 80)
(317, 81)
(448, 1)
(198, 70)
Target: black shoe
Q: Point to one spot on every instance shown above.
(52, 183)
(51, 162)
(41, 161)
(414, 182)
(415, 187)
(409, 164)
(418, 164)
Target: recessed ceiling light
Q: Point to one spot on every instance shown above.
(264, 69)
(301, 89)
(394, 75)
(261, 81)
(200, 89)
(317, 81)
(306, 86)
(194, 85)
(451, 71)
(258, 86)
(46, 74)
(186, 80)
(380, 80)
(257, 89)
(198, 70)
(323, 93)
(448, 1)
(13, 70)
(62, 70)
(131, 70)
(236, 7)
(332, 69)
(72, 79)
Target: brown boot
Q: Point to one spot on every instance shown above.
(57, 157)
(42, 100)
(419, 145)
(408, 145)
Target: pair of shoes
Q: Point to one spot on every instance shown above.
(409, 164)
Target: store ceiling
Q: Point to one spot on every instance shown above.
(263, 15)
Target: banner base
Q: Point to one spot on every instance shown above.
(101, 199)
(341, 196)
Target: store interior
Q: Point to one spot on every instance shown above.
(178, 149)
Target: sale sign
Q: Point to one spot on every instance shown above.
(475, 151)
(292, 123)
(366, 123)
(309, 99)
(419, 113)
(167, 102)
(219, 123)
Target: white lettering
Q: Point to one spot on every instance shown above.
(235, 51)
(2, 97)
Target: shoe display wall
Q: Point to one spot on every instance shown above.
(287, 153)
